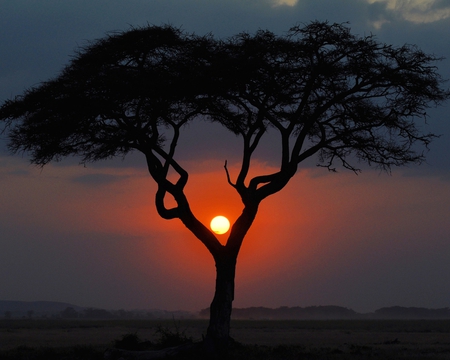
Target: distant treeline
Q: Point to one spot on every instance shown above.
(399, 312)
(59, 310)
(50, 309)
(92, 313)
(333, 312)
(297, 312)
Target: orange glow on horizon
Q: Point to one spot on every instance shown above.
(305, 231)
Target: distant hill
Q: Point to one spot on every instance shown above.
(34, 308)
(53, 309)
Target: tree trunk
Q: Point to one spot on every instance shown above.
(218, 334)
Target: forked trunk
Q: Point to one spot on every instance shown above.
(218, 334)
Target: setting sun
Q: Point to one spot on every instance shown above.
(220, 225)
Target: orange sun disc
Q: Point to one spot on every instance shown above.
(220, 225)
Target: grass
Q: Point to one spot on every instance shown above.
(26, 339)
(51, 353)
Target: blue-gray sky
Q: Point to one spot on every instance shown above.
(91, 236)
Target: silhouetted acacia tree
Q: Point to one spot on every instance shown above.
(344, 98)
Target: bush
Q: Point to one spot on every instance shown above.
(168, 338)
(132, 342)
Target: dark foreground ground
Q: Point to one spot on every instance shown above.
(265, 340)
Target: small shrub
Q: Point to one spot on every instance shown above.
(132, 342)
(165, 338)
(168, 338)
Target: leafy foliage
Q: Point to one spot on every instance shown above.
(332, 92)
(110, 99)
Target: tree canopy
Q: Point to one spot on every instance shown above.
(326, 92)
(113, 97)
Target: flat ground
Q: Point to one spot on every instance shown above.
(331, 339)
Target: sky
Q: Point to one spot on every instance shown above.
(91, 235)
